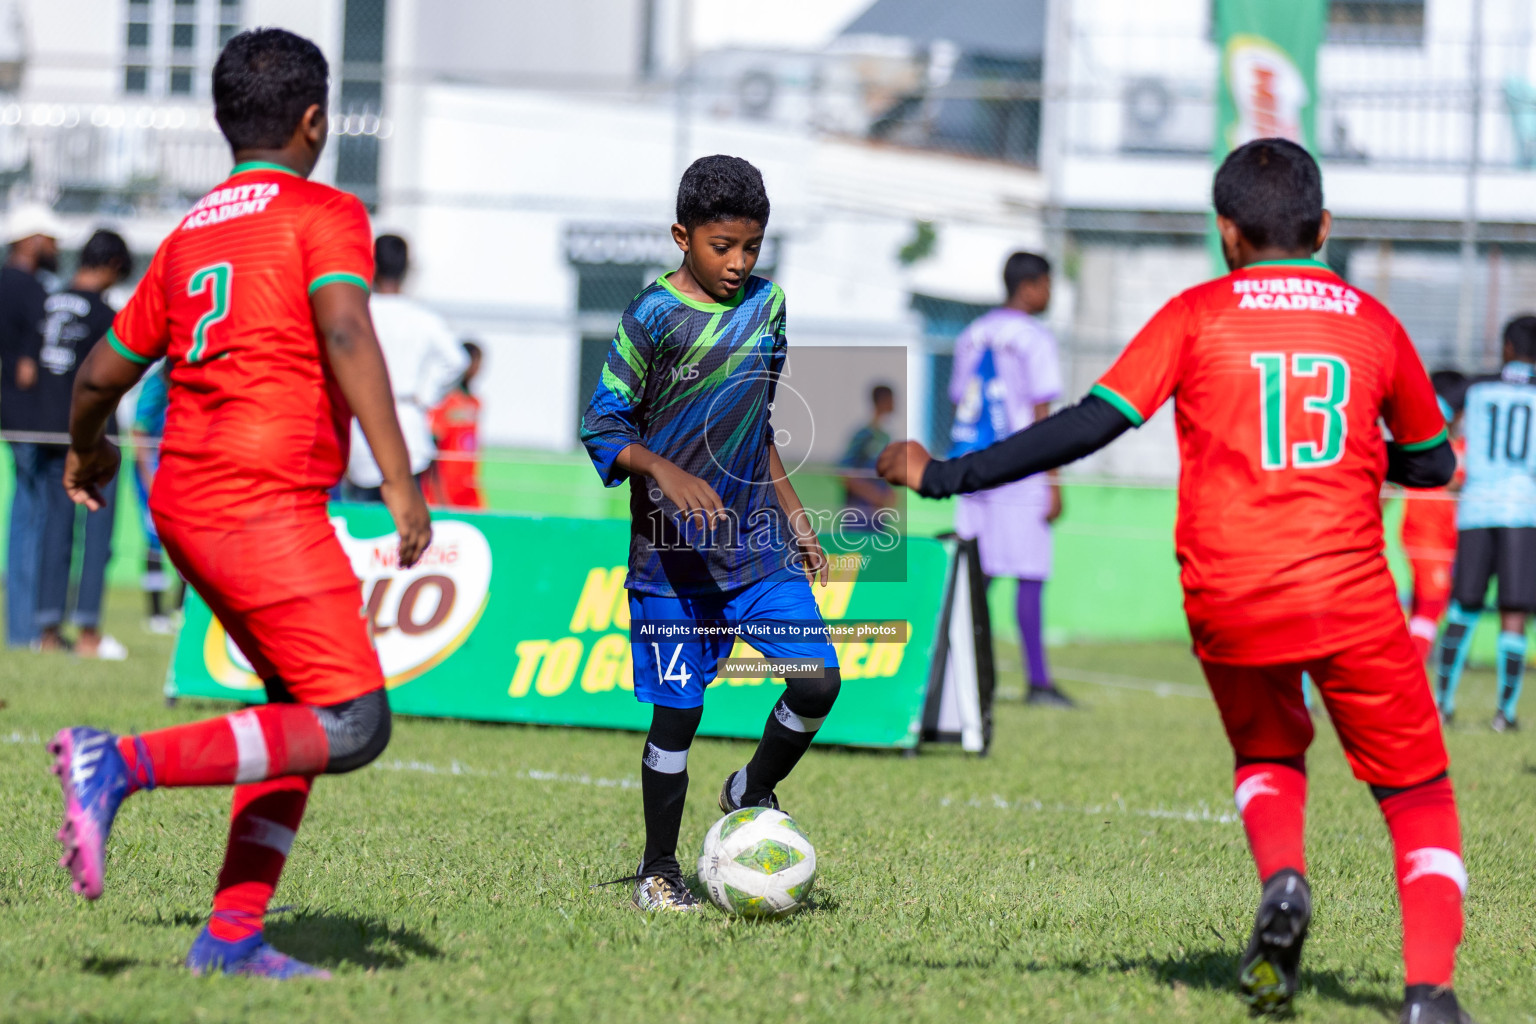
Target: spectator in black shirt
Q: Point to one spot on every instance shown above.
(77, 319)
(33, 233)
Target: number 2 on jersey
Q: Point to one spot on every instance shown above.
(1274, 452)
(213, 280)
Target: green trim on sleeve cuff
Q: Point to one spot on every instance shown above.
(1119, 402)
(337, 278)
(1419, 446)
(124, 351)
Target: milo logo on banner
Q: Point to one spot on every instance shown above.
(1268, 91)
(419, 616)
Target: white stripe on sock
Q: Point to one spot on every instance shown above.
(250, 746)
(795, 722)
(1253, 785)
(268, 833)
(668, 762)
(1436, 860)
(1423, 628)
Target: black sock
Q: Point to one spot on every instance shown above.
(664, 784)
(791, 727)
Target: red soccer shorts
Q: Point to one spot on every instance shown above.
(1377, 697)
(285, 592)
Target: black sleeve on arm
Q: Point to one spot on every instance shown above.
(1067, 436)
(1426, 467)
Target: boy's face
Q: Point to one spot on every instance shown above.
(720, 254)
(1035, 295)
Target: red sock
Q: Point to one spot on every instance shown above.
(1431, 879)
(1272, 799)
(1423, 631)
(261, 827)
(262, 742)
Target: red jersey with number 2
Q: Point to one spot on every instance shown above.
(1281, 376)
(256, 429)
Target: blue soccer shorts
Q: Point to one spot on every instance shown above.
(679, 641)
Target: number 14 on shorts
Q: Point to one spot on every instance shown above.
(674, 672)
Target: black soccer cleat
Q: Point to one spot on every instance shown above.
(1048, 697)
(1428, 1004)
(728, 802)
(1268, 978)
(664, 892)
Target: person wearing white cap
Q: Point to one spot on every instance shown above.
(33, 233)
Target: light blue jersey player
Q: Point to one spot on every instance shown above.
(1496, 523)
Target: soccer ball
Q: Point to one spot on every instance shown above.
(757, 863)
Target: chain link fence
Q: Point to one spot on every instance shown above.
(927, 127)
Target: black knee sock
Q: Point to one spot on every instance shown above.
(791, 727)
(664, 783)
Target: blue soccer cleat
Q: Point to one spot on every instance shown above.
(250, 957)
(94, 778)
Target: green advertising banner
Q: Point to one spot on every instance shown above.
(1267, 80)
(525, 619)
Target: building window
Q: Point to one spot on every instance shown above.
(170, 46)
(1376, 21)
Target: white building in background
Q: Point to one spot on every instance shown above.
(530, 152)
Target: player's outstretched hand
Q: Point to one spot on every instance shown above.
(412, 520)
(86, 473)
(694, 498)
(903, 463)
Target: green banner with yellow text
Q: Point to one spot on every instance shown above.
(1267, 78)
(525, 619)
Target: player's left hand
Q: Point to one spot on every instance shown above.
(903, 463)
(812, 558)
(86, 473)
(1053, 510)
(412, 520)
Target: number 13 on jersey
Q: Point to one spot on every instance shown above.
(1275, 371)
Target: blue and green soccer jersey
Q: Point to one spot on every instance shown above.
(1500, 488)
(694, 383)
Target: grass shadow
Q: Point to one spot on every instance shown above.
(108, 966)
(333, 940)
(327, 939)
(1215, 969)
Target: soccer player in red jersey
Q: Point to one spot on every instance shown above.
(258, 301)
(1282, 375)
(1429, 528)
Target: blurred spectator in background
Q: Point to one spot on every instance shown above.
(455, 481)
(148, 429)
(864, 492)
(33, 232)
(1006, 375)
(77, 318)
(425, 361)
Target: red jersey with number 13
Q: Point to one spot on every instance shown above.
(1281, 376)
(256, 429)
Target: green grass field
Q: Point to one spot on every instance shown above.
(1090, 869)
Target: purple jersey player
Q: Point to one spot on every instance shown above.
(1006, 371)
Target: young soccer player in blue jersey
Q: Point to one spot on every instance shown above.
(1496, 523)
(719, 544)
